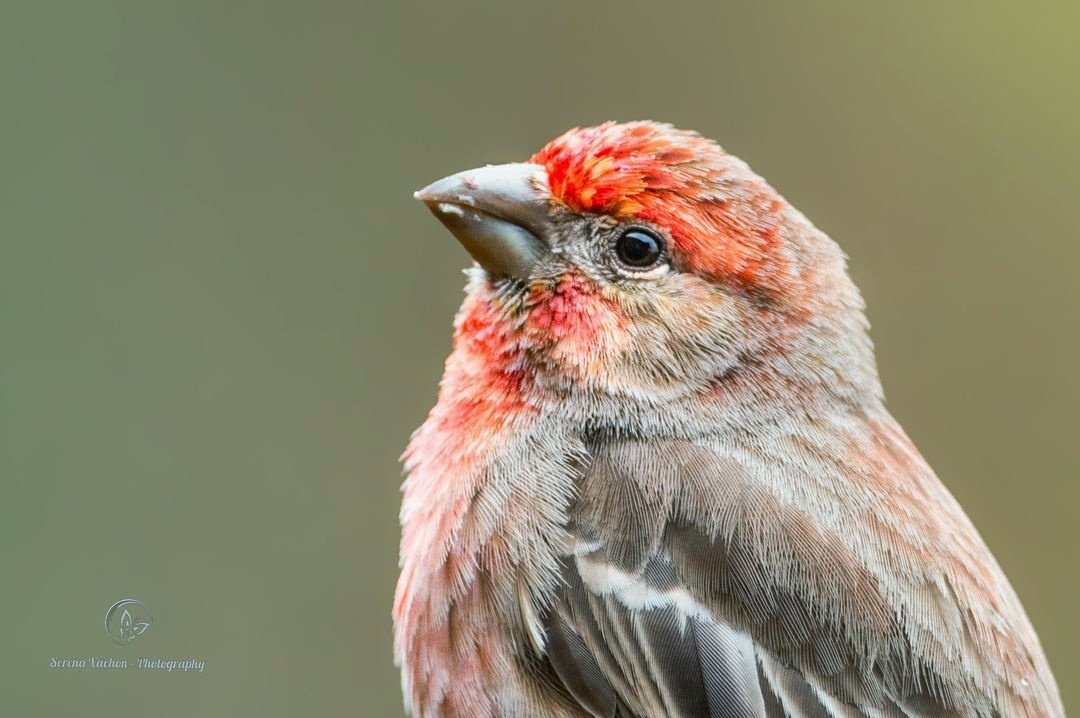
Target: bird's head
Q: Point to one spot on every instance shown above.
(640, 260)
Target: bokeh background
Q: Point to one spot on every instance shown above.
(221, 312)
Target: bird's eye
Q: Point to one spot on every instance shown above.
(639, 248)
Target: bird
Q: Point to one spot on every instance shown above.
(660, 479)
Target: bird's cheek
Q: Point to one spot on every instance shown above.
(576, 326)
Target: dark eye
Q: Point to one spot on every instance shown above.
(639, 248)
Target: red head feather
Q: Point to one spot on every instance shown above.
(725, 222)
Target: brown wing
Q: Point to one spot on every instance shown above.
(694, 590)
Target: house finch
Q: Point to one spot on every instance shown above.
(660, 479)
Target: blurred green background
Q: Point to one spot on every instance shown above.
(221, 312)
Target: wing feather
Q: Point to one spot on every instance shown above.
(637, 651)
(694, 590)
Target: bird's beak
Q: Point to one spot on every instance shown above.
(499, 213)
